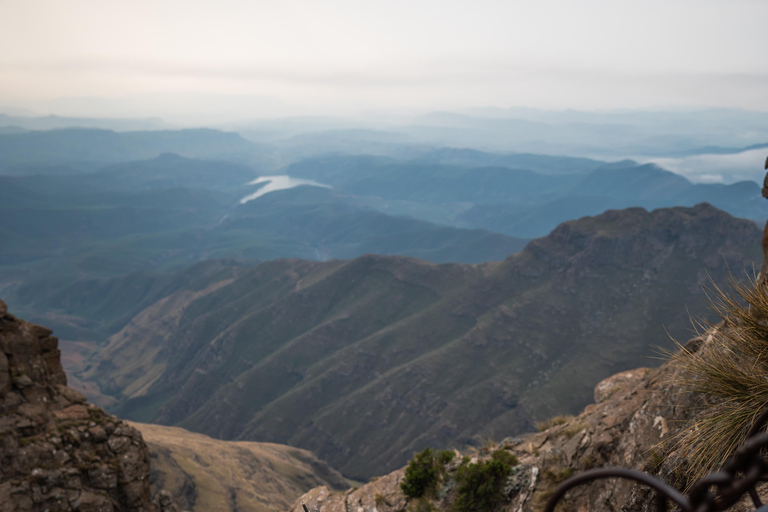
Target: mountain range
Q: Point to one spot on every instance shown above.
(366, 361)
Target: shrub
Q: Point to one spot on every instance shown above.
(421, 475)
(445, 456)
(505, 457)
(481, 485)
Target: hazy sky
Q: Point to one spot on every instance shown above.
(376, 55)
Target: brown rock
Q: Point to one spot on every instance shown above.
(55, 449)
(73, 413)
(90, 502)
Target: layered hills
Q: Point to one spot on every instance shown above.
(65, 232)
(366, 361)
(519, 195)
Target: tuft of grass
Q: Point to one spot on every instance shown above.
(654, 462)
(550, 479)
(541, 426)
(730, 371)
(488, 446)
(574, 429)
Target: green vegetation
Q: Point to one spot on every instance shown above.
(730, 369)
(445, 457)
(481, 485)
(421, 475)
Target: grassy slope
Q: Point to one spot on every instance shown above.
(207, 474)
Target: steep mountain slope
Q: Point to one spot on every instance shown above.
(366, 361)
(634, 413)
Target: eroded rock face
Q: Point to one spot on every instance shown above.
(57, 451)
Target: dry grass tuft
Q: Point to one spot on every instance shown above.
(541, 426)
(730, 370)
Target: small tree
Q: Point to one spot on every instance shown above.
(481, 485)
(421, 475)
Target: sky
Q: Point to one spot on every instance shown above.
(294, 56)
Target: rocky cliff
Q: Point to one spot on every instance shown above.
(57, 451)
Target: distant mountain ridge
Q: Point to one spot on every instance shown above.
(368, 360)
(74, 150)
(518, 201)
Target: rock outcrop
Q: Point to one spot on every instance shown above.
(632, 424)
(57, 451)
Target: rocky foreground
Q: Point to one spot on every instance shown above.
(58, 452)
(632, 424)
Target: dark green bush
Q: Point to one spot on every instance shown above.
(505, 457)
(481, 485)
(421, 475)
(445, 456)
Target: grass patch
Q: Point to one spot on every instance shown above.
(554, 421)
(574, 429)
(550, 479)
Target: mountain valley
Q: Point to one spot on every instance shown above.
(320, 355)
(406, 290)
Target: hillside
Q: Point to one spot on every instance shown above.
(634, 411)
(204, 474)
(641, 419)
(366, 361)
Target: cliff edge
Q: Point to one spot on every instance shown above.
(57, 451)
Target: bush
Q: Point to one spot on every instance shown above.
(445, 456)
(421, 475)
(505, 457)
(481, 485)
